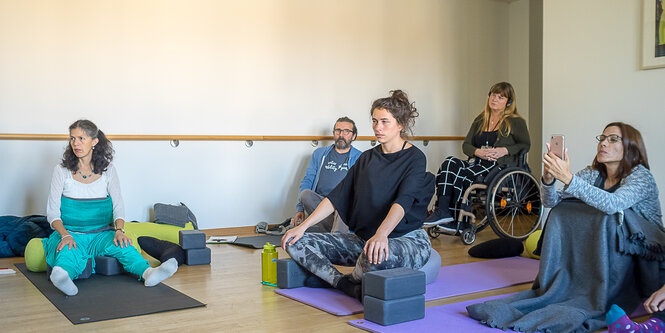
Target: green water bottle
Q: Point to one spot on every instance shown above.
(269, 265)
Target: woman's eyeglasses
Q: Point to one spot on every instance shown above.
(610, 138)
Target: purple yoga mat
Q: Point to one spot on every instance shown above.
(442, 318)
(329, 300)
(445, 318)
(480, 276)
(452, 281)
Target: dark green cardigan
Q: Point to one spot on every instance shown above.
(517, 140)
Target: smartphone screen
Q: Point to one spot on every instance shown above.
(557, 145)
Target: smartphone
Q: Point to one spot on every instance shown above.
(558, 145)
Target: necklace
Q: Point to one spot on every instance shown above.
(84, 176)
(492, 123)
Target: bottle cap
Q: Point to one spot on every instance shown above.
(269, 247)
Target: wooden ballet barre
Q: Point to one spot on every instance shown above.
(127, 137)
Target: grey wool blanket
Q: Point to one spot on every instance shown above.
(589, 261)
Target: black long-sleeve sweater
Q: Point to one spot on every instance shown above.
(377, 181)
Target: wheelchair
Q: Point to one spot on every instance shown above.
(507, 199)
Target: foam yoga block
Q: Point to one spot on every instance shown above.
(107, 266)
(162, 250)
(389, 312)
(197, 256)
(192, 239)
(394, 283)
(84, 275)
(290, 274)
(432, 267)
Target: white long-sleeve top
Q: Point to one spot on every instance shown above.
(63, 183)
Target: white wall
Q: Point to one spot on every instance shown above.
(591, 77)
(518, 53)
(231, 67)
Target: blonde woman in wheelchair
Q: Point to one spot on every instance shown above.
(496, 137)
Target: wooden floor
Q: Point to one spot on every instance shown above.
(230, 286)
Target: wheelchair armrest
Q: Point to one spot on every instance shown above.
(521, 160)
(521, 163)
(490, 176)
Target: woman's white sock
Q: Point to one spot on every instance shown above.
(60, 279)
(153, 276)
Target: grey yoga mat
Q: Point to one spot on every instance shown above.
(257, 242)
(110, 297)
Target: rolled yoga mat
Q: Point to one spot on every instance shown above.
(452, 281)
(109, 297)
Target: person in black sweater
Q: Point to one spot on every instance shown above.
(383, 198)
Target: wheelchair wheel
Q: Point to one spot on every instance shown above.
(476, 206)
(514, 209)
(468, 237)
(432, 232)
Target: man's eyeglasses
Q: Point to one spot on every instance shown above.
(610, 138)
(339, 131)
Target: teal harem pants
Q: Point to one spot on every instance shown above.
(89, 246)
(87, 215)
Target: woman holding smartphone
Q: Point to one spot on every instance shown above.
(383, 198)
(618, 179)
(585, 265)
(496, 137)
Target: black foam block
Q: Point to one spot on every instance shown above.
(197, 256)
(192, 239)
(394, 311)
(497, 248)
(162, 250)
(290, 274)
(394, 283)
(107, 266)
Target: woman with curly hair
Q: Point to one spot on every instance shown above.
(383, 198)
(86, 210)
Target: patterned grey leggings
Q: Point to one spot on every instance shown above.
(318, 252)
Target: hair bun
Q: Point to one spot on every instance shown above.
(400, 95)
(400, 107)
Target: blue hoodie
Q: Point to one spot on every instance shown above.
(314, 167)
